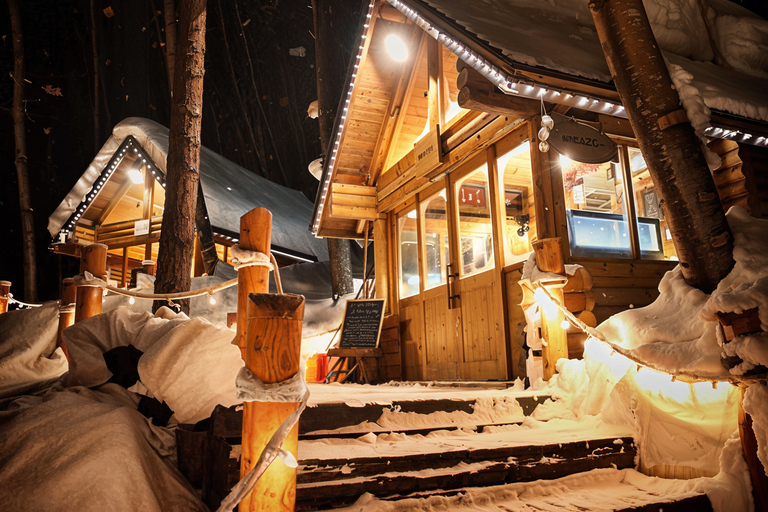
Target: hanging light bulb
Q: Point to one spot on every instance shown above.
(212, 300)
(131, 301)
(565, 324)
(543, 133)
(547, 121)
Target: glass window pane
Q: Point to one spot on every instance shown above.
(409, 254)
(655, 239)
(520, 218)
(435, 220)
(597, 219)
(475, 227)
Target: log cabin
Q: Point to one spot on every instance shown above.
(119, 201)
(439, 156)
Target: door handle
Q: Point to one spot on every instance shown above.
(451, 277)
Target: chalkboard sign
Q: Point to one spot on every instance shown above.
(362, 323)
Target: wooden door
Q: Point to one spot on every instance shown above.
(476, 274)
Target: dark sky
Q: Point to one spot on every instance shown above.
(255, 97)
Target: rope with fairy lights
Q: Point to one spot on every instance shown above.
(20, 303)
(543, 296)
(241, 258)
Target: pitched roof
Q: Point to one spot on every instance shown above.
(230, 191)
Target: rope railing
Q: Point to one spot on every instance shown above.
(687, 377)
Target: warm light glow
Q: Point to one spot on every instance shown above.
(564, 161)
(396, 48)
(131, 301)
(212, 300)
(136, 176)
(565, 324)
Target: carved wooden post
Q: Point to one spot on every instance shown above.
(272, 353)
(549, 258)
(66, 310)
(255, 235)
(88, 302)
(5, 290)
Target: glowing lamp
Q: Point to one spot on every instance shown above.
(396, 48)
(136, 176)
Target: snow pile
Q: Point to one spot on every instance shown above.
(743, 43)
(29, 359)
(679, 28)
(88, 450)
(188, 363)
(679, 333)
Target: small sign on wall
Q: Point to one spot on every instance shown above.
(141, 227)
(578, 194)
(427, 154)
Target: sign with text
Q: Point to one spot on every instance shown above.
(426, 152)
(581, 142)
(141, 227)
(470, 195)
(362, 323)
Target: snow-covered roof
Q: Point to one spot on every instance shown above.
(560, 37)
(230, 191)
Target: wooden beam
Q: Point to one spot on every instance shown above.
(114, 201)
(498, 103)
(434, 65)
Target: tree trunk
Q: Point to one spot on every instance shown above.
(330, 83)
(17, 111)
(169, 10)
(177, 236)
(672, 151)
(96, 83)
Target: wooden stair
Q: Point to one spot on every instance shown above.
(344, 454)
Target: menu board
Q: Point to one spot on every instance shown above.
(362, 323)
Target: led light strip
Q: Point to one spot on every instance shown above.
(340, 129)
(504, 82)
(736, 135)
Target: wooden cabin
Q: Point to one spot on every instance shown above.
(436, 155)
(119, 201)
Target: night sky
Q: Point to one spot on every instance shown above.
(255, 97)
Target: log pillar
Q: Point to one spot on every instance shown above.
(272, 353)
(5, 291)
(749, 448)
(255, 235)
(88, 300)
(66, 310)
(549, 258)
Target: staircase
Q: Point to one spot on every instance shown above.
(438, 448)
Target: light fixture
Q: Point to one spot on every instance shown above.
(396, 48)
(136, 176)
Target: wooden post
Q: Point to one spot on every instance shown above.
(66, 310)
(148, 267)
(5, 290)
(89, 297)
(749, 448)
(272, 353)
(255, 235)
(549, 258)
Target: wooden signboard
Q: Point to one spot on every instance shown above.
(581, 142)
(362, 323)
(427, 154)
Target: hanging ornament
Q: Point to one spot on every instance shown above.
(543, 146)
(546, 124)
(547, 121)
(543, 133)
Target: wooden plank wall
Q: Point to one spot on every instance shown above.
(390, 365)
(755, 169)
(620, 285)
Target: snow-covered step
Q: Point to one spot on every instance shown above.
(335, 472)
(599, 490)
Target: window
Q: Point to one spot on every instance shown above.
(435, 221)
(597, 210)
(475, 228)
(409, 254)
(655, 239)
(520, 219)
